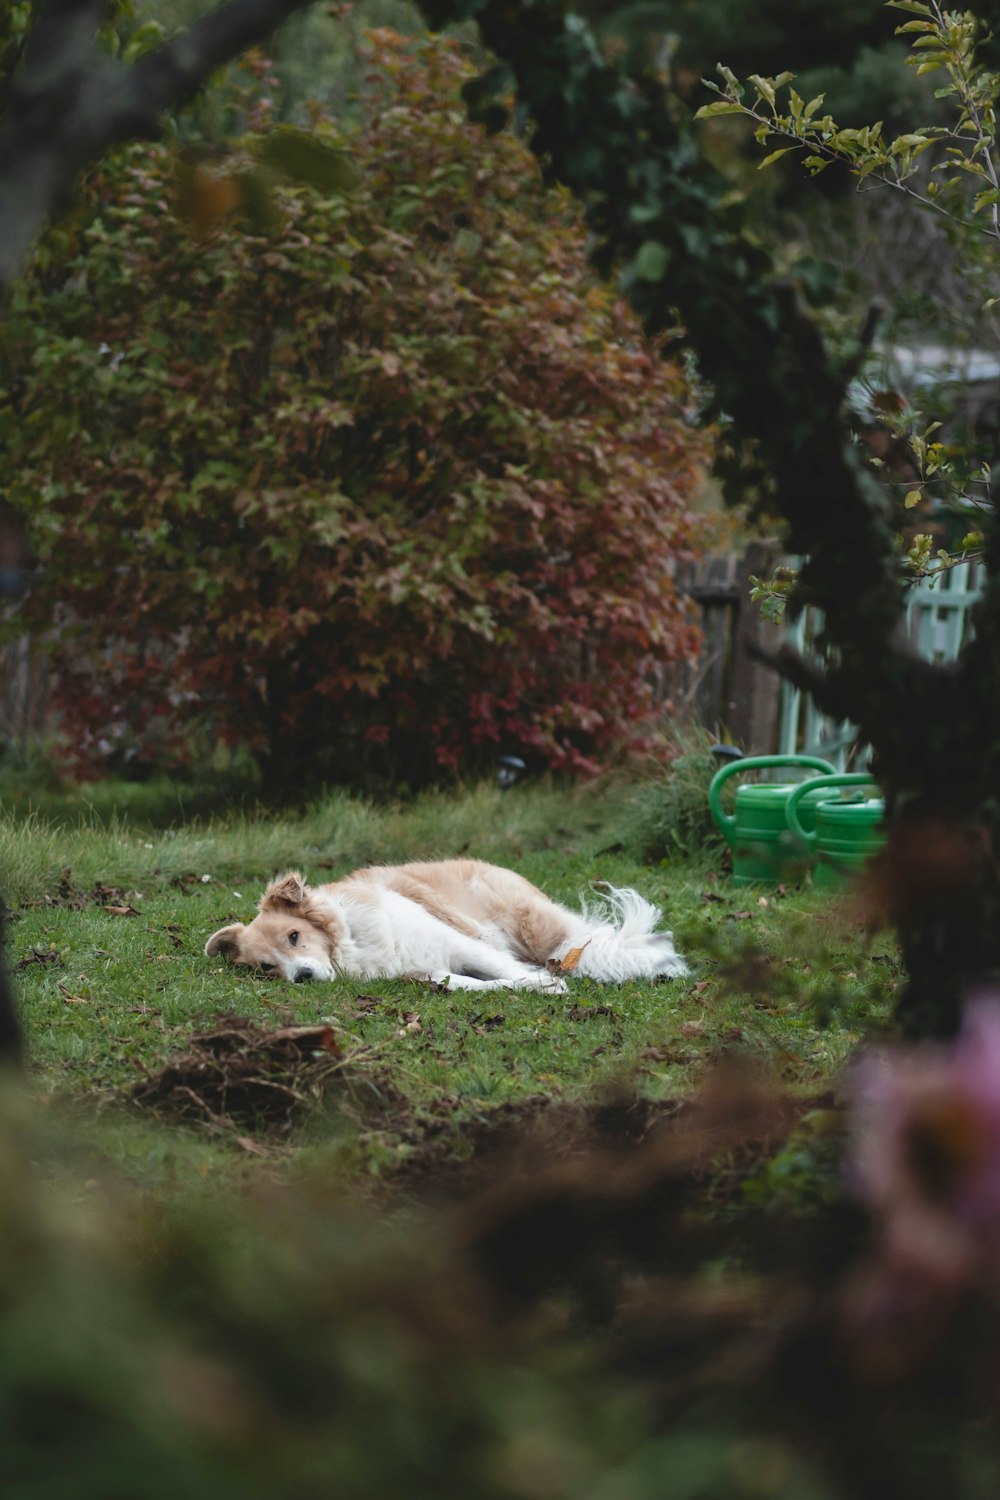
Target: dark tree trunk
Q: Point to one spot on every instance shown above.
(11, 1041)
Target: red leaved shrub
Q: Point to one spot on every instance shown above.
(372, 484)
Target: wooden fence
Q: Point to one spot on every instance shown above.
(726, 689)
(24, 696)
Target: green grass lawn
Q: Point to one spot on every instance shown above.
(417, 1243)
(110, 917)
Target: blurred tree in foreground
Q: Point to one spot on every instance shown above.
(671, 227)
(590, 1324)
(316, 55)
(69, 91)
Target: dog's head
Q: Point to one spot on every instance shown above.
(291, 936)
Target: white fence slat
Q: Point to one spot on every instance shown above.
(938, 622)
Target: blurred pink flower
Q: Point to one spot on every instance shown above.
(925, 1154)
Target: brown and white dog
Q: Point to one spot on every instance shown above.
(461, 922)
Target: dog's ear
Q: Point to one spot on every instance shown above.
(226, 941)
(285, 893)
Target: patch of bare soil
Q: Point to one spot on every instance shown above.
(243, 1076)
(451, 1154)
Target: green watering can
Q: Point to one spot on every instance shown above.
(843, 835)
(764, 852)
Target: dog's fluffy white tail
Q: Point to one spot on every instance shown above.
(621, 943)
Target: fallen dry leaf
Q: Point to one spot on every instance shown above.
(662, 1054)
(120, 911)
(68, 995)
(481, 1024)
(103, 893)
(569, 963)
(324, 1038)
(36, 956)
(368, 1003)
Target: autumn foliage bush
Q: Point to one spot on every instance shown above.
(371, 483)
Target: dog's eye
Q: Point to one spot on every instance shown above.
(267, 968)
(293, 938)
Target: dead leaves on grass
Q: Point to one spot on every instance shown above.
(110, 898)
(591, 1012)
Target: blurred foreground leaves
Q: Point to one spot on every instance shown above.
(593, 1320)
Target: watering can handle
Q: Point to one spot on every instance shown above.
(846, 778)
(727, 821)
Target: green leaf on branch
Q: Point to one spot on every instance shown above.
(719, 107)
(731, 80)
(911, 5)
(764, 87)
(774, 156)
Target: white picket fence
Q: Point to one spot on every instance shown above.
(938, 621)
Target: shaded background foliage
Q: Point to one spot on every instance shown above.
(372, 483)
(882, 245)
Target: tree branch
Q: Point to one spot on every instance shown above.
(174, 72)
(71, 102)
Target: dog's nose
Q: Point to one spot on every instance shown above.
(302, 976)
